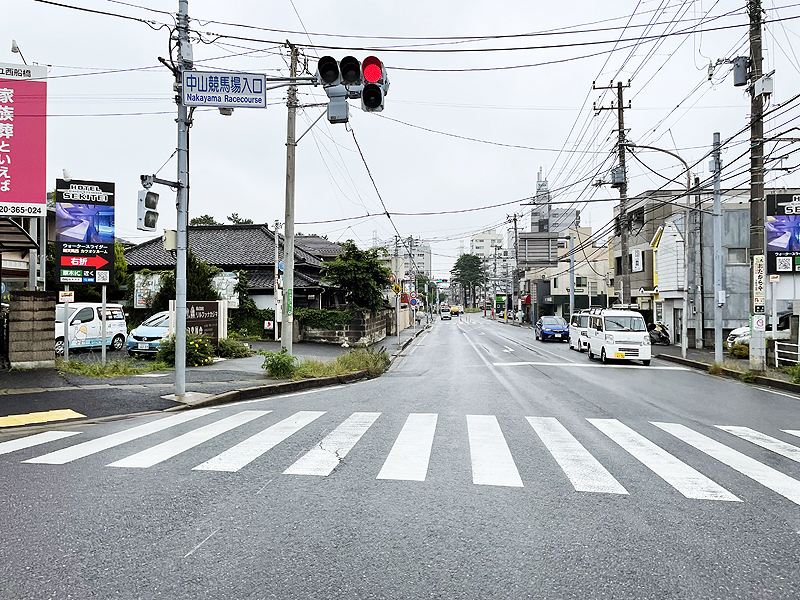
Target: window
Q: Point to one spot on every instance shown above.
(581, 281)
(555, 282)
(85, 315)
(737, 256)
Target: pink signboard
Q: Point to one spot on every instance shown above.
(23, 140)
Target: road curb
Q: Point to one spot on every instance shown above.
(786, 386)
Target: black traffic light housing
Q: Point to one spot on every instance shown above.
(147, 211)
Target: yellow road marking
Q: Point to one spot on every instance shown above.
(39, 417)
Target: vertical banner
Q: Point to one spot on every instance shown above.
(85, 231)
(759, 285)
(782, 229)
(23, 140)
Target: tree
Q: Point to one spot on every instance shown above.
(204, 220)
(236, 220)
(361, 274)
(199, 286)
(467, 272)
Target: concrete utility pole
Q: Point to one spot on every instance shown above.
(717, 167)
(571, 276)
(287, 329)
(758, 349)
(698, 268)
(184, 62)
(276, 289)
(517, 302)
(621, 181)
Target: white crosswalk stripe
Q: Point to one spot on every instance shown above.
(326, 456)
(678, 474)
(765, 441)
(245, 452)
(408, 459)
(34, 440)
(60, 457)
(492, 463)
(767, 476)
(161, 452)
(582, 469)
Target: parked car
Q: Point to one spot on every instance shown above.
(454, 310)
(551, 328)
(85, 326)
(618, 333)
(578, 331)
(147, 337)
(741, 335)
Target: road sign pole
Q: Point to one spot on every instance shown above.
(66, 325)
(103, 324)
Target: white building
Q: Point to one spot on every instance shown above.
(483, 244)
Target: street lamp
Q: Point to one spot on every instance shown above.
(15, 49)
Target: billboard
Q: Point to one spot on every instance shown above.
(538, 249)
(23, 140)
(782, 226)
(84, 231)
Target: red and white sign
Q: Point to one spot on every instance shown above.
(392, 278)
(774, 278)
(23, 140)
(66, 296)
(413, 294)
(759, 323)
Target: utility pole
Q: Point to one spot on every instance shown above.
(620, 180)
(276, 286)
(182, 204)
(698, 267)
(517, 304)
(571, 277)
(287, 332)
(758, 349)
(717, 165)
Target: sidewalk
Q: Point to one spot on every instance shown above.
(44, 396)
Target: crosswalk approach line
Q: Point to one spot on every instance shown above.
(682, 477)
(492, 463)
(243, 453)
(409, 456)
(327, 454)
(767, 476)
(60, 457)
(765, 441)
(582, 469)
(166, 450)
(34, 440)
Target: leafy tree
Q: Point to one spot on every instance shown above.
(237, 220)
(468, 273)
(361, 274)
(204, 220)
(199, 285)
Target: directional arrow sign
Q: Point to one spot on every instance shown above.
(95, 261)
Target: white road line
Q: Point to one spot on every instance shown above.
(34, 440)
(196, 548)
(588, 365)
(60, 457)
(767, 476)
(793, 432)
(291, 395)
(326, 456)
(582, 469)
(161, 452)
(408, 459)
(678, 474)
(492, 463)
(765, 441)
(245, 452)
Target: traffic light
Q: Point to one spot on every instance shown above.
(376, 84)
(147, 213)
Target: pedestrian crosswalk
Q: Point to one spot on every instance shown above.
(407, 455)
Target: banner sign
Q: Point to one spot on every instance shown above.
(759, 285)
(782, 228)
(23, 140)
(85, 231)
(218, 88)
(202, 318)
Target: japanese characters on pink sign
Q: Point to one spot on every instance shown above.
(23, 140)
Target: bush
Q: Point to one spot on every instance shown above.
(232, 349)
(715, 369)
(748, 377)
(371, 361)
(740, 351)
(279, 365)
(322, 318)
(199, 351)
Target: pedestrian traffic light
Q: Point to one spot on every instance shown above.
(376, 84)
(147, 213)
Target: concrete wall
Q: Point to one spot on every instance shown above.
(31, 330)
(366, 328)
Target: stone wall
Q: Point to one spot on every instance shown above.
(366, 328)
(31, 328)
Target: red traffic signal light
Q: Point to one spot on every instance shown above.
(372, 68)
(376, 84)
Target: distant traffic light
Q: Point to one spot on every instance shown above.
(376, 84)
(147, 211)
(352, 79)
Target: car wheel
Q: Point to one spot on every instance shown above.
(591, 355)
(60, 346)
(646, 363)
(118, 343)
(603, 358)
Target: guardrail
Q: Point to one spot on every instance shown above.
(787, 353)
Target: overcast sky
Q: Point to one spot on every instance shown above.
(460, 130)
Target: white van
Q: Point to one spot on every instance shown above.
(579, 331)
(85, 327)
(618, 333)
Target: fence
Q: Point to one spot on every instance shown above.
(787, 353)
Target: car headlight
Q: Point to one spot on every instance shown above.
(646, 340)
(609, 338)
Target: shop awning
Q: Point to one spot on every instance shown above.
(13, 237)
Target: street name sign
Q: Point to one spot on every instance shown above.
(224, 89)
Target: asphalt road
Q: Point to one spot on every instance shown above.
(483, 465)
